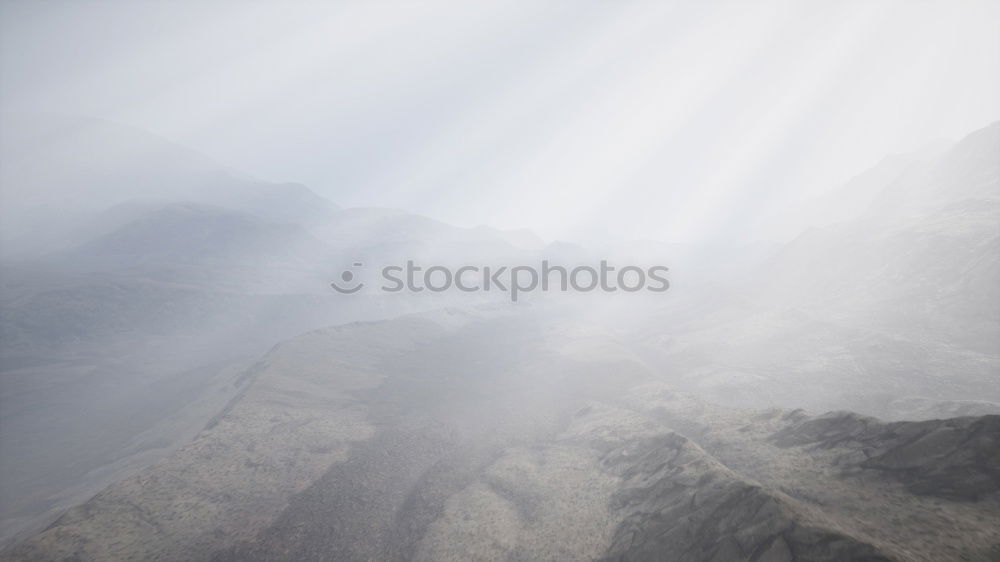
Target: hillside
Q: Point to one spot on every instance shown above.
(139, 277)
(894, 313)
(639, 425)
(458, 436)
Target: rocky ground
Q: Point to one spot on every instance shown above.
(481, 436)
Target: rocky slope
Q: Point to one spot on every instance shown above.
(893, 313)
(488, 435)
(138, 276)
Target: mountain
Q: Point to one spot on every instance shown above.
(491, 435)
(854, 198)
(886, 314)
(133, 323)
(929, 240)
(59, 171)
(64, 175)
(140, 277)
(194, 234)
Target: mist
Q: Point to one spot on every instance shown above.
(670, 122)
(519, 281)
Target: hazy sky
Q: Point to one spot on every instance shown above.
(676, 121)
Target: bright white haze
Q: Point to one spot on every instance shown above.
(683, 122)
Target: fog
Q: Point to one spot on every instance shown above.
(462, 281)
(664, 121)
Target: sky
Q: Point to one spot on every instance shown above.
(578, 120)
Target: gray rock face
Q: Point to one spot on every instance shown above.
(679, 504)
(955, 458)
